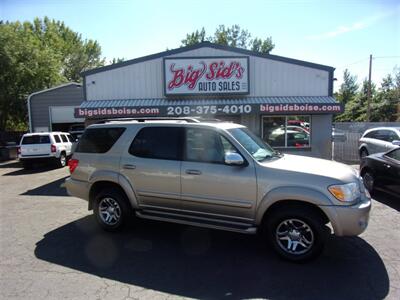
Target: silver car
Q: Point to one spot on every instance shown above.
(376, 140)
(215, 175)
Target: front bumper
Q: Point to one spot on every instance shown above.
(77, 188)
(349, 220)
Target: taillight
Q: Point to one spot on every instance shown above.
(18, 150)
(72, 164)
(53, 148)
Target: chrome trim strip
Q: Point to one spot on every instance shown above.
(158, 195)
(217, 201)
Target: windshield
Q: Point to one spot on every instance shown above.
(253, 144)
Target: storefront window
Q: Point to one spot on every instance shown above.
(286, 131)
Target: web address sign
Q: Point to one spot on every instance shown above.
(208, 110)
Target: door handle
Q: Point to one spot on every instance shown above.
(129, 167)
(193, 172)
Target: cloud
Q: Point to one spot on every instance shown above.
(349, 28)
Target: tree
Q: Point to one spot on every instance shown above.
(116, 60)
(347, 94)
(384, 106)
(195, 38)
(233, 36)
(38, 55)
(348, 89)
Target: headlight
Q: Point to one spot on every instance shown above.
(345, 192)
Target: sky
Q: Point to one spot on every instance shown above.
(337, 33)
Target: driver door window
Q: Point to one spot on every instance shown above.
(203, 145)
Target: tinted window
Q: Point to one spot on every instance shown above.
(70, 138)
(57, 138)
(370, 135)
(158, 143)
(98, 140)
(392, 136)
(64, 138)
(36, 139)
(204, 145)
(395, 154)
(385, 135)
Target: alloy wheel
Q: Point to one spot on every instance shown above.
(109, 211)
(368, 180)
(294, 236)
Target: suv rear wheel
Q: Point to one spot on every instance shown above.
(62, 161)
(297, 234)
(111, 209)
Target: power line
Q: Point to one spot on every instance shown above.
(366, 58)
(353, 63)
(393, 56)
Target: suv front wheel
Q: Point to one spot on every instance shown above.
(297, 234)
(111, 209)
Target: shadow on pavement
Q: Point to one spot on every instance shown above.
(38, 168)
(387, 199)
(202, 263)
(10, 164)
(49, 189)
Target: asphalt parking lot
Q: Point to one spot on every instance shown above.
(52, 249)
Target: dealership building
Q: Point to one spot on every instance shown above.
(287, 102)
(53, 109)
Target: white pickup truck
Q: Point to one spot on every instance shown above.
(45, 146)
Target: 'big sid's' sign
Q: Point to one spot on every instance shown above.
(206, 75)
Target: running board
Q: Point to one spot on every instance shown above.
(197, 221)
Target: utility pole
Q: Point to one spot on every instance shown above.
(369, 90)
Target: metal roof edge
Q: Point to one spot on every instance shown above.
(209, 45)
(256, 99)
(54, 88)
(28, 103)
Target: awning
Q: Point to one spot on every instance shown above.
(207, 107)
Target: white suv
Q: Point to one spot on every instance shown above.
(45, 146)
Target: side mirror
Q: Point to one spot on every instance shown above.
(234, 159)
(396, 142)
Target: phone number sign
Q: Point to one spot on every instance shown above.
(206, 75)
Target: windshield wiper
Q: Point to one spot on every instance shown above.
(278, 153)
(269, 156)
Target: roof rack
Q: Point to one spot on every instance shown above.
(187, 119)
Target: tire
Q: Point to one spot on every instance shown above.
(369, 180)
(363, 153)
(62, 161)
(296, 233)
(118, 216)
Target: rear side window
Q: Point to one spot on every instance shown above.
(98, 140)
(64, 138)
(57, 138)
(370, 135)
(158, 143)
(36, 139)
(385, 135)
